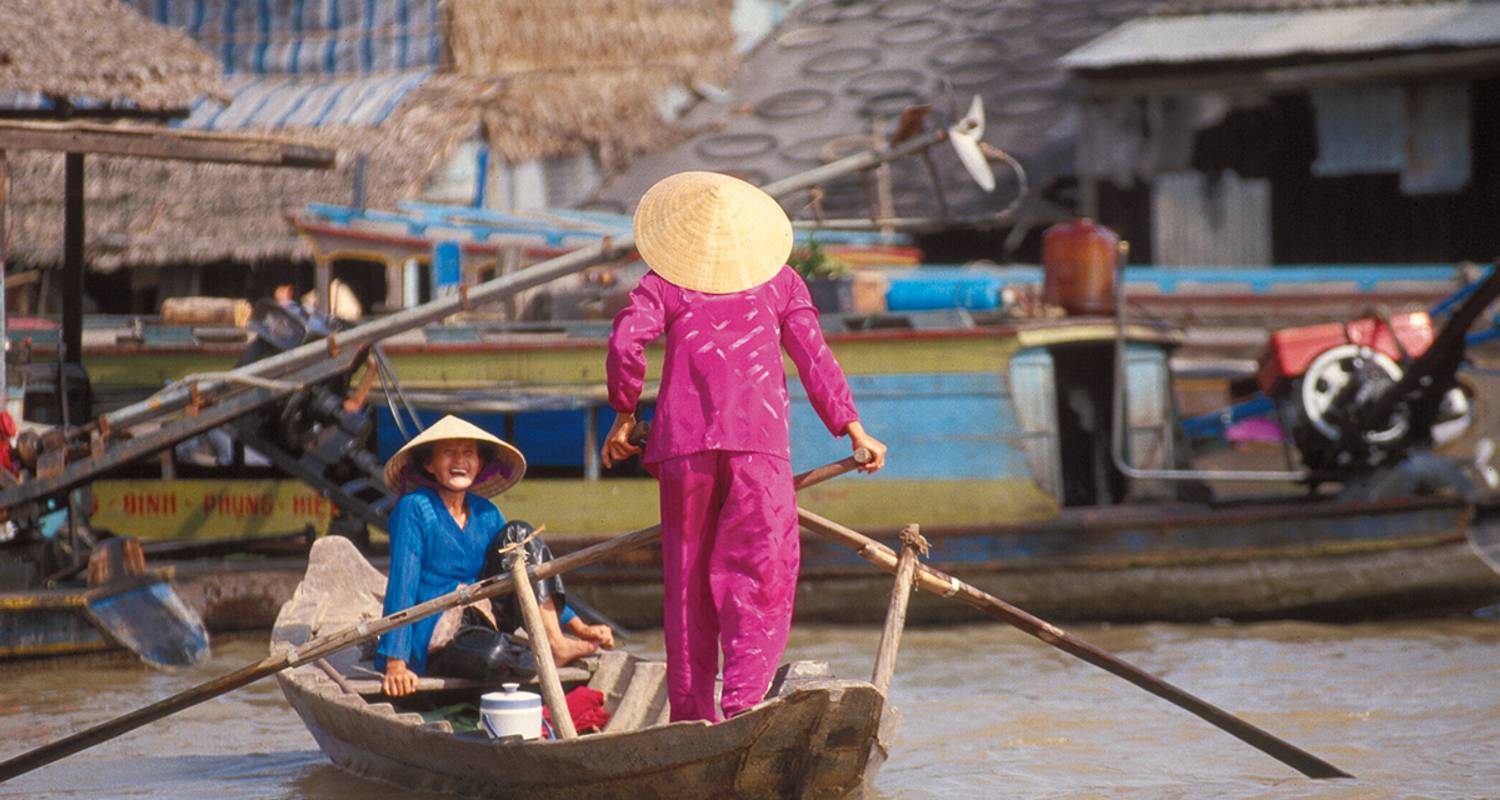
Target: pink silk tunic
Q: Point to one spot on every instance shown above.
(723, 383)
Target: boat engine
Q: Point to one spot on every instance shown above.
(1332, 385)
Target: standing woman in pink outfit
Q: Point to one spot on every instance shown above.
(720, 291)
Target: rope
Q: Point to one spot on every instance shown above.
(911, 536)
(517, 545)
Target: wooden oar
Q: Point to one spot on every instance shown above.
(140, 611)
(148, 618)
(945, 585)
(329, 644)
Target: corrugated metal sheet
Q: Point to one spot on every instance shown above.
(1149, 407)
(1438, 157)
(1243, 36)
(1033, 390)
(307, 37)
(812, 91)
(264, 102)
(1361, 130)
(1197, 221)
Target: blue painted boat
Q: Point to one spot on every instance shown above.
(999, 438)
(1000, 431)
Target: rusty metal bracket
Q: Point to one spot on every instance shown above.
(333, 346)
(104, 429)
(463, 298)
(195, 400)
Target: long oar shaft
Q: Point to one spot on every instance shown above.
(945, 585)
(324, 646)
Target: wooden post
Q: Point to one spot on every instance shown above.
(912, 545)
(323, 283)
(1088, 180)
(546, 671)
(4, 276)
(591, 443)
(73, 236)
(510, 261)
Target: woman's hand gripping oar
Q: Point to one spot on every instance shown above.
(328, 644)
(945, 585)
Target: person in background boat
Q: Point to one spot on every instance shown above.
(445, 532)
(720, 291)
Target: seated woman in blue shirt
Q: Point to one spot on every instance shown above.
(444, 532)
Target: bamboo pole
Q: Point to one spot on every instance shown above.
(945, 585)
(912, 544)
(541, 649)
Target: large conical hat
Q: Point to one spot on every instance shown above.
(497, 475)
(711, 233)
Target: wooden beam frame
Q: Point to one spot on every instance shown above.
(161, 143)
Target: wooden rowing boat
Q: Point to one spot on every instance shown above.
(813, 736)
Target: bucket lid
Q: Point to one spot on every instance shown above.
(509, 700)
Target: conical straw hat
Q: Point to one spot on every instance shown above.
(711, 233)
(495, 476)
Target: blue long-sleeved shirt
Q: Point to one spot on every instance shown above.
(430, 557)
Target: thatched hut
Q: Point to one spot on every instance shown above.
(95, 54)
(547, 93)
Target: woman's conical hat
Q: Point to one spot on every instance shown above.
(499, 474)
(711, 233)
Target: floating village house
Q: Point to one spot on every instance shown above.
(505, 103)
(77, 60)
(1295, 131)
(1205, 131)
(833, 79)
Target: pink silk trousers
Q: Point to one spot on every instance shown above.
(730, 555)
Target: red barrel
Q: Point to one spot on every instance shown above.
(1079, 260)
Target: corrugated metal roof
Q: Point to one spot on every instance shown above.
(811, 91)
(1174, 7)
(1280, 34)
(260, 102)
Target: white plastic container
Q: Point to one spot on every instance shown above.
(511, 713)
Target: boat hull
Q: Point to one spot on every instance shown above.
(818, 741)
(47, 622)
(1297, 560)
(815, 737)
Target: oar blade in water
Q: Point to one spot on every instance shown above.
(152, 621)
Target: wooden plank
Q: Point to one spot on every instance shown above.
(74, 233)
(647, 682)
(895, 616)
(161, 143)
(428, 683)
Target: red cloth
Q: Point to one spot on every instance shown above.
(586, 707)
(7, 430)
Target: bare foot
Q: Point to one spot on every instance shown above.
(568, 650)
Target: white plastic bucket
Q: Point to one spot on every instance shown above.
(511, 713)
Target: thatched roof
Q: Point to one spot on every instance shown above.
(537, 79)
(102, 51)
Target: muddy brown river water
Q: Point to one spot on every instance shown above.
(1412, 708)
